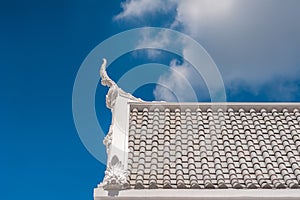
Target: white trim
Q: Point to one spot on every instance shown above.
(126, 135)
(117, 159)
(223, 105)
(199, 194)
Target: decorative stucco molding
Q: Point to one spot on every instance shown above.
(108, 138)
(111, 98)
(114, 90)
(115, 176)
(117, 101)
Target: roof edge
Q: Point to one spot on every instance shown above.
(186, 194)
(268, 106)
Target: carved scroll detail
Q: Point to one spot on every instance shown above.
(115, 176)
(108, 138)
(114, 90)
(111, 97)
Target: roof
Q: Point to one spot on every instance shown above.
(160, 150)
(221, 146)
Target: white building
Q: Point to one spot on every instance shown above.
(159, 150)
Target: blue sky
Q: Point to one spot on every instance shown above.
(254, 43)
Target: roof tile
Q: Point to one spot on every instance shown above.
(207, 148)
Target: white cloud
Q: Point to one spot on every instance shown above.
(184, 80)
(157, 41)
(138, 8)
(255, 42)
(193, 13)
(181, 82)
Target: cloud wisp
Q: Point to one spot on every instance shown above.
(139, 8)
(181, 80)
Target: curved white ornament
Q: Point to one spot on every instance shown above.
(114, 90)
(115, 176)
(117, 101)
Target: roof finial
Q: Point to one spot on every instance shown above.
(105, 79)
(114, 90)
